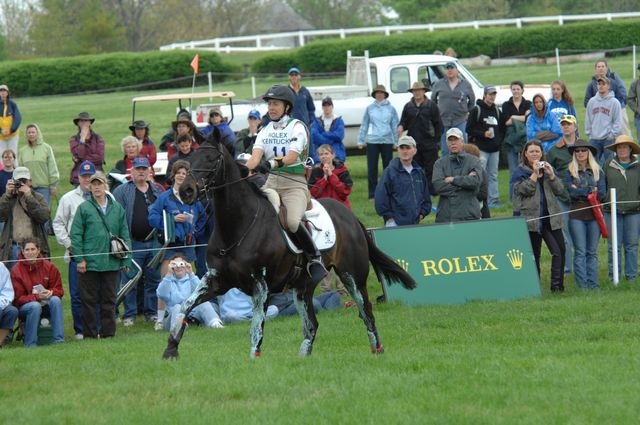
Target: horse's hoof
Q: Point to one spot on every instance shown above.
(378, 350)
(255, 354)
(170, 354)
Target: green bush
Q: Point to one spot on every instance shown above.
(330, 55)
(99, 72)
(277, 63)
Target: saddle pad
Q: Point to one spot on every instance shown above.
(323, 232)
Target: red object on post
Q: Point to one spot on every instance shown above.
(597, 213)
(194, 63)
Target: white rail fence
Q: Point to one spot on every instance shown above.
(291, 39)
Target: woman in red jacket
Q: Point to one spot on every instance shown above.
(38, 289)
(331, 178)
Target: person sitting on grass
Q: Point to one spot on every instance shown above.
(174, 289)
(8, 313)
(236, 306)
(38, 291)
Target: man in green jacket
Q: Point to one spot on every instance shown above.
(95, 221)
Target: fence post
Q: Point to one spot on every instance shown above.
(210, 80)
(253, 87)
(558, 61)
(614, 237)
(634, 62)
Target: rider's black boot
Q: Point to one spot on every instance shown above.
(315, 268)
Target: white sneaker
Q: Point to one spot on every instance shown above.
(127, 322)
(78, 337)
(217, 324)
(158, 326)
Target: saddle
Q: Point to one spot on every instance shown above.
(318, 223)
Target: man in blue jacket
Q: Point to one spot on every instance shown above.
(402, 196)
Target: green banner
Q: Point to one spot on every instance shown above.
(457, 262)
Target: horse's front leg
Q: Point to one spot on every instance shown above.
(304, 304)
(201, 294)
(260, 292)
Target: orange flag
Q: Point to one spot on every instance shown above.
(194, 63)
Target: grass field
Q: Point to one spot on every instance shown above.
(559, 359)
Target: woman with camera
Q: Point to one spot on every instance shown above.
(176, 286)
(535, 194)
(583, 178)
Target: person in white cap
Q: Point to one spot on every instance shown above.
(24, 213)
(402, 196)
(457, 178)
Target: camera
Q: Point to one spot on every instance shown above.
(17, 184)
(178, 264)
(541, 165)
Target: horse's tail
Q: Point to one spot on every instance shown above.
(385, 266)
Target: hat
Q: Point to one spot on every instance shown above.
(327, 101)
(450, 65)
(489, 90)
(294, 69)
(625, 140)
(255, 114)
(603, 78)
(86, 167)
(455, 132)
(140, 162)
(568, 118)
(215, 110)
(582, 144)
(4, 87)
(99, 175)
(418, 85)
(407, 141)
(83, 116)
(184, 120)
(138, 124)
(21, 173)
(380, 88)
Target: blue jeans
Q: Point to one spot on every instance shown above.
(490, 161)
(585, 235)
(636, 121)
(325, 301)
(15, 251)
(628, 228)
(203, 313)
(444, 149)
(74, 292)
(568, 243)
(150, 279)
(374, 150)
(8, 316)
(514, 159)
(31, 312)
(603, 154)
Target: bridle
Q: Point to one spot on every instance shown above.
(208, 182)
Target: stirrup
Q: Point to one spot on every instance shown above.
(316, 270)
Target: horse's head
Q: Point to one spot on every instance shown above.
(207, 168)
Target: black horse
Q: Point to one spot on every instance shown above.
(248, 251)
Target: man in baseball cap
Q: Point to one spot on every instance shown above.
(457, 178)
(402, 196)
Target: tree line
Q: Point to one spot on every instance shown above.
(52, 28)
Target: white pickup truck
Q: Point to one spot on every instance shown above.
(396, 73)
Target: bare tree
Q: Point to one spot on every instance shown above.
(16, 17)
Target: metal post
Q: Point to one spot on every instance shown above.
(634, 62)
(558, 61)
(614, 237)
(253, 87)
(210, 80)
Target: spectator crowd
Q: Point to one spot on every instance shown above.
(448, 146)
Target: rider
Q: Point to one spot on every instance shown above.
(284, 143)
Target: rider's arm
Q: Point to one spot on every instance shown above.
(256, 156)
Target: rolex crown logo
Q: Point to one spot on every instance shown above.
(515, 258)
(404, 264)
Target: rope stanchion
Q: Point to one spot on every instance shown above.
(614, 237)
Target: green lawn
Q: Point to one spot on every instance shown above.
(558, 359)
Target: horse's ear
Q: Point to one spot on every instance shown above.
(214, 137)
(244, 171)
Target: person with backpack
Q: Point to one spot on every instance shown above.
(485, 129)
